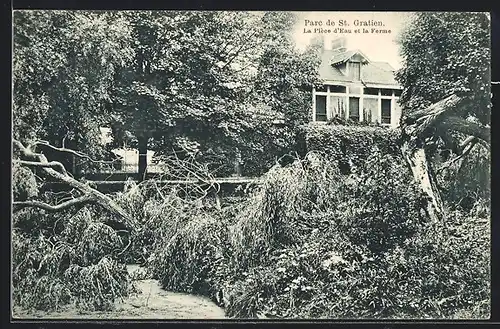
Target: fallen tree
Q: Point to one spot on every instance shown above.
(426, 126)
(57, 171)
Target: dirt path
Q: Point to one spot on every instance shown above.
(152, 303)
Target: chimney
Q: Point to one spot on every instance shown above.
(339, 44)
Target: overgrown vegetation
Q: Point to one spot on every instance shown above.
(349, 145)
(369, 253)
(342, 230)
(66, 257)
(312, 242)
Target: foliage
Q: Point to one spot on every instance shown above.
(187, 76)
(388, 206)
(330, 277)
(446, 53)
(467, 181)
(269, 218)
(312, 242)
(179, 75)
(24, 185)
(192, 79)
(283, 83)
(174, 79)
(349, 145)
(285, 77)
(187, 260)
(63, 68)
(340, 233)
(367, 254)
(64, 258)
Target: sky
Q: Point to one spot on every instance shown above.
(376, 46)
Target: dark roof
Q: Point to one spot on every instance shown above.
(341, 56)
(372, 72)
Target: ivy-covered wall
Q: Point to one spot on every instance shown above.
(343, 143)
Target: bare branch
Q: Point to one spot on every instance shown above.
(51, 164)
(59, 207)
(466, 142)
(76, 153)
(97, 197)
(238, 51)
(462, 154)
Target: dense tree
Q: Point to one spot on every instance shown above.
(445, 54)
(446, 97)
(210, 81)
(283, 82)
(180, 83)
(209, 78)
(64, 64)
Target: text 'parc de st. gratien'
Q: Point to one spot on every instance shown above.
(343, 26)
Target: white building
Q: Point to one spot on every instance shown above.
(355, 88)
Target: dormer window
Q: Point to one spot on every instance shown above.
(355, 71)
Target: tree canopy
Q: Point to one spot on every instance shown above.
(446, 54)
(204, 77)
(63, 70)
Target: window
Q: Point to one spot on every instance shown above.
(320, 108)
(371, 91)
(354, 108)
(337, 89)
(386, 111)
(355, 71)
(386, 92)
(397, 93)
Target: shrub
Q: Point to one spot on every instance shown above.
(425, 276)
(268, 217)
(64, 259)
(382, 205)
(466, 181)
(133, 201)
(313, 243)
(348, 145)
(97, 286)
(188, 261)
(274, 216)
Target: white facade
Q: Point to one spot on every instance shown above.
(355, 88)
(376, 103)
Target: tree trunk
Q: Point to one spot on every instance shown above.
(143, 160)
(238, 170)
(424, 177)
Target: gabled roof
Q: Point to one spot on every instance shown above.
(343, 56)
(372, 72)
